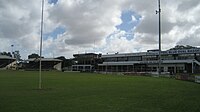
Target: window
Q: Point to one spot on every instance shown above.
(134, 58)
(110, 59)
(122, 59)
(149, 58)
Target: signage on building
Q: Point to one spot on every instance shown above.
(182, 51)
(148, 62)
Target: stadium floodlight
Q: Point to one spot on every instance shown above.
(159, 14)
(41, 36)
(12, 50)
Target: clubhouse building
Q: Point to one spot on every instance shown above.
(172, 61)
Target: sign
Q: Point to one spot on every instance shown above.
(148, 62)
(182, 51)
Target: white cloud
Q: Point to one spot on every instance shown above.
(86, 21)
(92, 21)
(20, 25)
(133, 18)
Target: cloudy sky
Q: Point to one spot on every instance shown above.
(101, 26)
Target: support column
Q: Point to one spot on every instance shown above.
(192, 66)
(106, 68)
(175, 69)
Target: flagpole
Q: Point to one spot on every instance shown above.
(41, 36)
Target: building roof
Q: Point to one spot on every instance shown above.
(128, 54)
(6, 57)
(44, 59)
(168, 52)
(85, 54)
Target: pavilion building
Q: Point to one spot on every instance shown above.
(172, 61)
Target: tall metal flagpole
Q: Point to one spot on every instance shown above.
(41, 35)
(159, 12)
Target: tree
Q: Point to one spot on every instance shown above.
(34, 55)
(66, 62)
(179, 47)
(6, 54)
(61, 58)
(17, 55)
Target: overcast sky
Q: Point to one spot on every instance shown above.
(101, 26)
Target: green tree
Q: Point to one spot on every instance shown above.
(17, 55)
(66, 62)
(34, 55)
(6, 54)
(178, 47)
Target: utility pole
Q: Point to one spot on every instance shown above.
(41, 36)
(159, 14)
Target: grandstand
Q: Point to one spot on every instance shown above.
(47, 64)
(7, 62)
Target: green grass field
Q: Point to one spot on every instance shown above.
(84, 92)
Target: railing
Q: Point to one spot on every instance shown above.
(197, 62)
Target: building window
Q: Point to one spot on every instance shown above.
(122, 59)
(110, 59)
(135, 58)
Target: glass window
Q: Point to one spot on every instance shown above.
(134, 58)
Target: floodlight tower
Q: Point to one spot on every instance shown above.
(12, 50)
(159, 15)
(41, 36)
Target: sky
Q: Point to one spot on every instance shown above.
(100, 26)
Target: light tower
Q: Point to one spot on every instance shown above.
(12, 50)
(159, 15)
